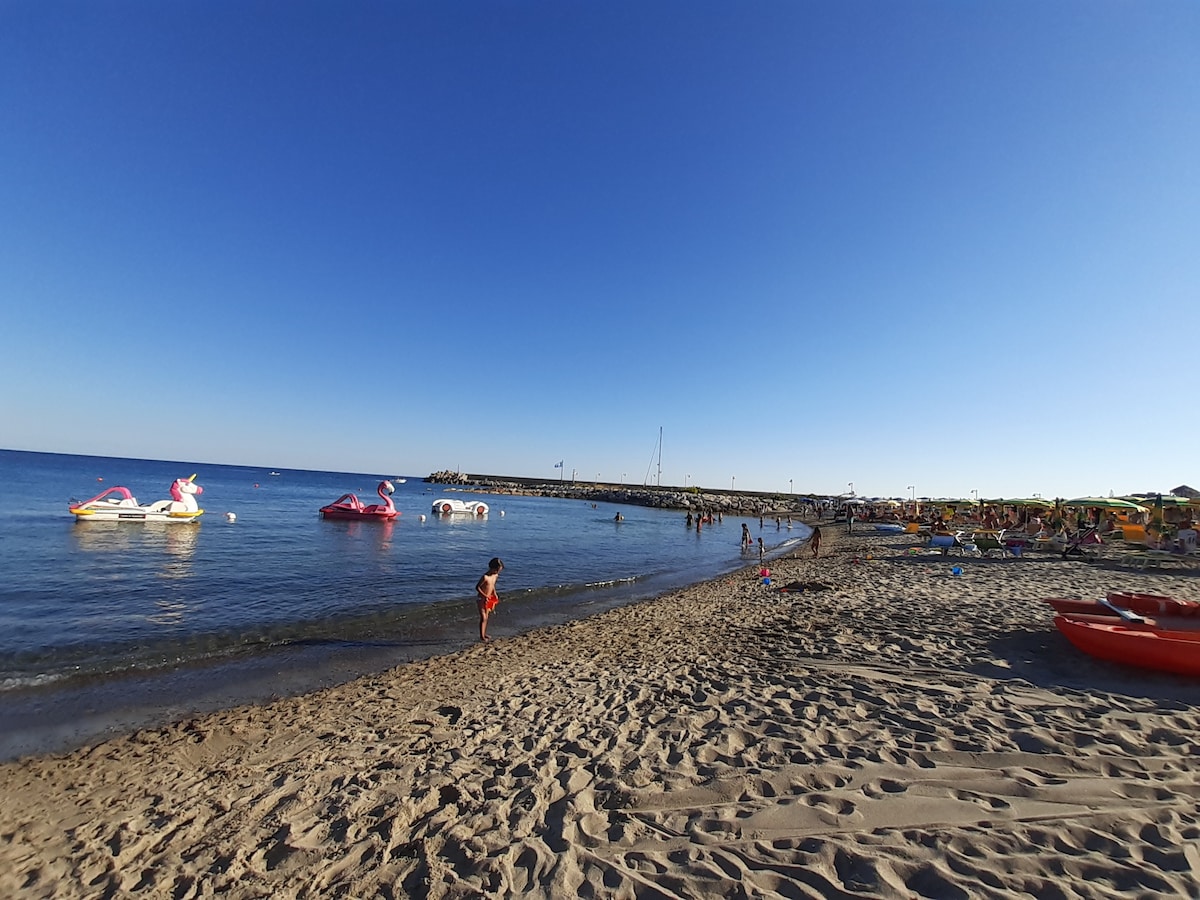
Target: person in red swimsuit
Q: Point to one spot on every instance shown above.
(487, 599)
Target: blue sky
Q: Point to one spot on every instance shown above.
(946, 245)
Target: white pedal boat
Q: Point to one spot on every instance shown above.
(117, 504)
(449, 507)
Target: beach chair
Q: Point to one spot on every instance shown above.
(987, 544)
(1187, 538)
(1134, 534)
(1086, 543)
(1156, 559)
(946, 543)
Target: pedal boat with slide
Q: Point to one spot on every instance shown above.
(348, 506)
(117, 504)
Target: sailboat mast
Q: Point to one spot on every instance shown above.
(660, 456)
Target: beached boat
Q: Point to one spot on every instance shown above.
(348, 506)
(447, 506)
(1148, 644)
(117, 504)
(1142, 604)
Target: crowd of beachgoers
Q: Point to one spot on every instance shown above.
(1044, 523)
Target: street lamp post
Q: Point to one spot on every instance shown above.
(732, 481)
(851, 483)
(685, 478)
(790, 491)
(913, 489)
(975, 494)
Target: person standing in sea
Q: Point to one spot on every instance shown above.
(486, 591)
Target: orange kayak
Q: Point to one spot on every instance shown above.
(1142, 604)
(1150, 644)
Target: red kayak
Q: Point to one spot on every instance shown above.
(1149, 644)
(1142, 604)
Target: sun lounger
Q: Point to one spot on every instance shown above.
(988, 544)
(1156, 559)
(945, 543)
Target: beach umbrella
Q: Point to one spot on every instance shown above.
(1105, 503)
(1157, 499)
(1022, 501)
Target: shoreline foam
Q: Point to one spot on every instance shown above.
(904, 733)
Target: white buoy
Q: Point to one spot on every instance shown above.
(501, 513)
(230, 517)
(421, 517)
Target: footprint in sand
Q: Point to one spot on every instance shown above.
(992, 803)
(881, 787)
(819, 781)
(825, 803)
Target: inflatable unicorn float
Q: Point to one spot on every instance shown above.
(348, 506)
(118, 505)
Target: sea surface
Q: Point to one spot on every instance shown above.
(106, 626)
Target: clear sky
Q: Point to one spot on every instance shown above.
(920, 247)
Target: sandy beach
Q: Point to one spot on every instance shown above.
(893, 731)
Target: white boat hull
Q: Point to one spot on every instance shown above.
(104, 511)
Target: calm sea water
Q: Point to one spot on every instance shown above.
(97, 617)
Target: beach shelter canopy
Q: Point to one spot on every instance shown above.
(1157, 499)
(1022, 501)
(1105, 503)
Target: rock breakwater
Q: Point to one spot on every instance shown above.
(693, 499)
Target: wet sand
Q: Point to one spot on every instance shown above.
(892, 731)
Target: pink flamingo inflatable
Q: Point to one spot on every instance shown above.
(348, 506)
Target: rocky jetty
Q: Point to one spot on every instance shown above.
(447, 477)
(693, 499)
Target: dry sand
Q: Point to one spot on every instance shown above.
(906, 733)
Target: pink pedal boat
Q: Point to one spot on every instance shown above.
(348, 506)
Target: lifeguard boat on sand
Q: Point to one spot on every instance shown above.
(449, 507)
(117, 504)
(1168, 644)
(348, 506)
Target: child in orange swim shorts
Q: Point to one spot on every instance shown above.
(487, 599)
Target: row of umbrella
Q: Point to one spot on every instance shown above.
(1129, 504)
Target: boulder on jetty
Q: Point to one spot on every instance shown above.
(446, 477)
